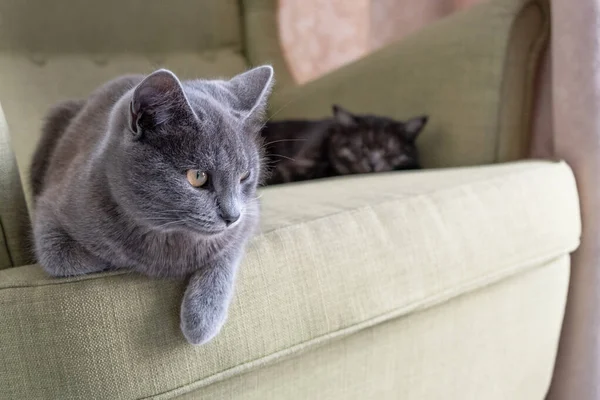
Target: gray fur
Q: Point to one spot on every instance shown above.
(111, 190)
(58, 119)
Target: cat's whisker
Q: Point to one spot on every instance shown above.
(284, 140)
(282, 156)
(172, 213)
(286, 105)
(168, 224)
(166, 216)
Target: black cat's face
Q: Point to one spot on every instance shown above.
(363, 144)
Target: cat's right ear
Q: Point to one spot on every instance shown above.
(252, 88)
(413, 127)
(343, 116)
(154, 100)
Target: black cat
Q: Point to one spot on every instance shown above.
(346, 144)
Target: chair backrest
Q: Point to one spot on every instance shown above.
(113, 26)
(56, 50)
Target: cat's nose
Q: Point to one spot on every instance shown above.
(374, 165)
(375, 161)
(228, 210)
(230, 219)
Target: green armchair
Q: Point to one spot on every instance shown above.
(446, 283)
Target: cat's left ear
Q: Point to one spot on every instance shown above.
(154, 101)
(252, 89)
(413, 127)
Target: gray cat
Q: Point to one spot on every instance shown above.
(158, 176)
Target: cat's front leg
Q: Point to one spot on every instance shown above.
(61, 255)
(207, 297)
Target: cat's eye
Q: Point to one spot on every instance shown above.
(197, 178)
(245, 176)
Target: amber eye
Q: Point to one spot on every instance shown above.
(245, 176)
(197, 178)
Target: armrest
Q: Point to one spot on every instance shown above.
(306, 281)
(13, 209)
(472, 73)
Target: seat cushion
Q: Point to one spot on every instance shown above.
(328, 264)
(465, 348)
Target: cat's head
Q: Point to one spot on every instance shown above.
(365, 143)
(189, 153)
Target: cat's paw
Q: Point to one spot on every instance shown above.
(206, 300)
(201, 322)
(61, 256)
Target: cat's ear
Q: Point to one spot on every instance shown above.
(343, 116)
(413, 127)
(154, 101)
(252, 89)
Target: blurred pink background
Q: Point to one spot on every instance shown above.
(321, 35)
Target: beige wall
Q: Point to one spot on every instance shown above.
(321, 35)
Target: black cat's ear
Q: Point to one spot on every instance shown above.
(343, 116)
(154, 101)
(413, 127)
(252, 89)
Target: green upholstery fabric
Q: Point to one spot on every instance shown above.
(262, 38)
(410, 357)
(472, 72)
(325, 269)
(13, 211)
(116, 26)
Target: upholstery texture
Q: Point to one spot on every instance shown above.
(326, 270)
(456, 343)
(472, 72)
